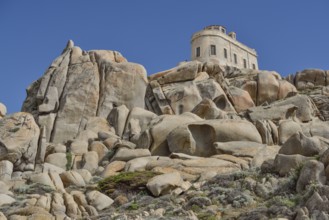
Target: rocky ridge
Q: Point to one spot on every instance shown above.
(99, 139)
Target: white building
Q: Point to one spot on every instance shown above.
(213, 44)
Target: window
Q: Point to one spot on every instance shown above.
(213, 49)
(223, 30)
(253, 66)
(225, 53)
(197, 51)
(235, 59)
(244, 63)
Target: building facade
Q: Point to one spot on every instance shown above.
(213, 44)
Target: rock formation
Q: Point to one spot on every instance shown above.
(98, 139)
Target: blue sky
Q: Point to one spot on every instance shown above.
(289, 35)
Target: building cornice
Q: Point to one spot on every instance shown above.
(217, 33)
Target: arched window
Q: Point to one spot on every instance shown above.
(225, 53)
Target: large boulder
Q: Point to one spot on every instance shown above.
(316, 127)
(268, 88)
(285, 164)
(263, 86)
(197, 138)
(19, 136)
(98, 200)
(154, 138)
(306, 110)
(165, 183)
(207, 109)
(241, 99)
(287, 128)
(268, 131)
(79, 85)
(137, 122)
(310, 78)
(301, 144)
(180, 89)
(311, 173)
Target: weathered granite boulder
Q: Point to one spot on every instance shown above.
(165, 183)
(113, 168)
(180, 89)
(272, 113)
(72, 178)
(311, 173)
(284, 164)
(207, 109)
(310, 78)
(197, 138)
(240, 98)
(263, 86)
(3, 110)
(117, 118)
(301, 144)
(154, 138)
(306, 110)
(90, 161)
(287, 128)
(19, 136)
(137, 122)
(98, 200)
(79, 85)
(316, 127)
(5, 199)
(57, 159)
(268, 131)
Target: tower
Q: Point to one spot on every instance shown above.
(215, 45)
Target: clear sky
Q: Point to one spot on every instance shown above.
(289, 35)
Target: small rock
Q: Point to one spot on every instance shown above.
(57, 159)
(301, 144)
(90, 161)
(99, 200)
(312, 172)
(284, 164)
(5, 199)
(120, 200)
(163, 184)
(86, 175)
(159, 212)
(72, 178)
(79, 147)
(113, 167)
(42, 178)
(99, 148)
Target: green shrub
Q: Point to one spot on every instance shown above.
(126, 182)
(69, 159)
